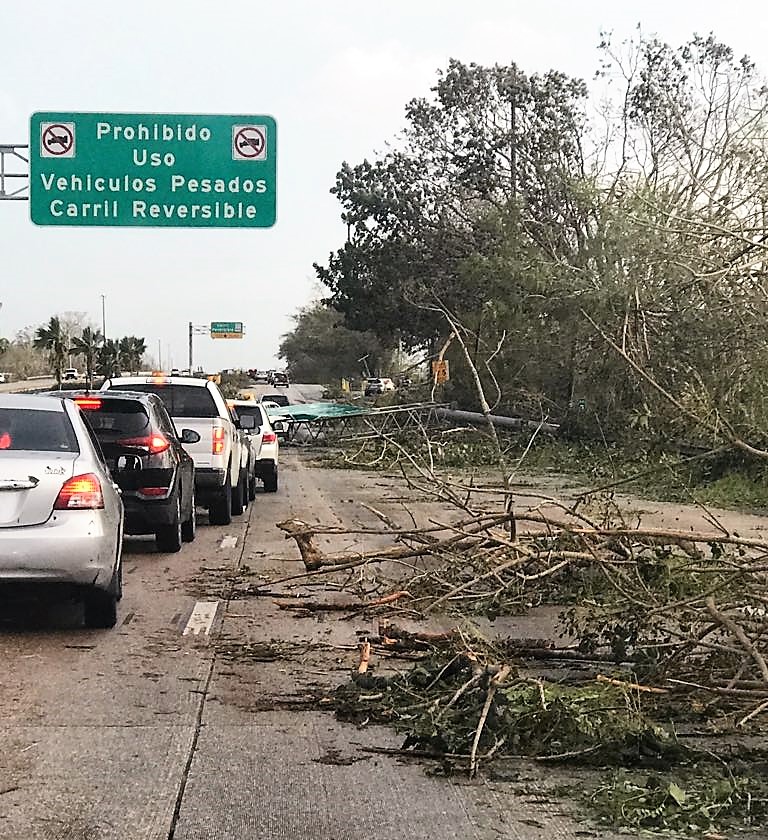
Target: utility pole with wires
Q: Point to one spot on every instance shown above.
(366, 369)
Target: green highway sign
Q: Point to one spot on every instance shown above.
(153, 170)
(226, 329)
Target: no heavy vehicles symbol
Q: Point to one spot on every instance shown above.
(249, 142)
(57, 139)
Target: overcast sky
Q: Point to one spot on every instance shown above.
(336, 76)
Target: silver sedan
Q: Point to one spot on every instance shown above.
(61, 516)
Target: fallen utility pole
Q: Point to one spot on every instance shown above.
(499, 420)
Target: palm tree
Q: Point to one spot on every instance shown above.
(88, 346)
(125, 353)
(138, 349)
(132, 349)
(108, 359)
(55, 341)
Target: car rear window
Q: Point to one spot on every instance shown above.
(118, 417)
(251, 411)
(280, 399)
(180, 400)
(33, 430)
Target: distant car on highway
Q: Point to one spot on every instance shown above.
(71, 374)
(374, 387)
(281, 380)
(147, 459)
(278, 399)
(61, 516)
(378, 385)
(263, 436)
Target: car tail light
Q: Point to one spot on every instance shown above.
(89, 403)
(153, 492)
(217, 443)
(81, 492)
(154, 444)
(268, 437)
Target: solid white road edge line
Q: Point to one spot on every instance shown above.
(202, 618)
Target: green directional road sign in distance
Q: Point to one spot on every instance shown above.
(153, 170)
(226, 329)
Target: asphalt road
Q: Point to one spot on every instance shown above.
(147, 731)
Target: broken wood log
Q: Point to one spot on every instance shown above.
(302, 532)
(314, 559)
(648, 689)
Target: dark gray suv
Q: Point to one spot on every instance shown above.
(148, 462)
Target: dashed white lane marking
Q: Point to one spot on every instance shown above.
(228, 542)
(202, 618)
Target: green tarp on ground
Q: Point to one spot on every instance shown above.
(317, 411)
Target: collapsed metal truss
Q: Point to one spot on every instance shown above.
(371, 423)
(14, 183)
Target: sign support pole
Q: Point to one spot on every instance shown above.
(194, 329)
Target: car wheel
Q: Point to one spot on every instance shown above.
(189, 525)
(237, 495)
(168, 537)
(100, 609)
(220, 510)
(270, 482)
(116, 585)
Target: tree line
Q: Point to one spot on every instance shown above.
(52, 346)
(597, 253)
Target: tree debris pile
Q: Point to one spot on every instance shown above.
(442, 704)
(677, 605)
(704, 800)
(460, 710)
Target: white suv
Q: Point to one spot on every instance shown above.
(221, 459)
(263, 438)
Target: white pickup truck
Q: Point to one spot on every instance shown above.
(221, 459)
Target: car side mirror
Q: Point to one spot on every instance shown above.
(189, 436)
(128, 463)
(248, 422)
